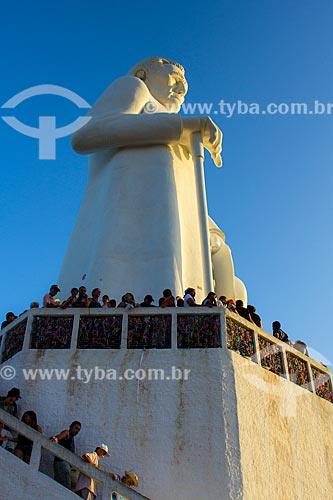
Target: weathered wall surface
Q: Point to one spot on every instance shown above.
(232, 431)
(18, 482)
(180, 437)
(286, 437)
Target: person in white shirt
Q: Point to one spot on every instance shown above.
(85, 486)
(189, 298)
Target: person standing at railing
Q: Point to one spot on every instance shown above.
(105, 301)
(71, 299)
(210, 300)
(189, 298)
(130, 479)
(83, 299)
(24, 445)
(8, 404)
(278, 332)
(5, 438)
(147, 301)
(301, 347)
(14, 394)
(94, 299)
(243, 311)
(10, 316)
(85, 486)
(231, 306)
(255, 317)
(168, 299)
(48, 300)
(62, 469)
(128, 301)
(222, 301)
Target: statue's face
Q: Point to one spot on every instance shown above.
(168, 85)
(216, 242)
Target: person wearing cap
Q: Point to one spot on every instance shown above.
(147, 301)
(85, 486)
(130, 479)
(48, 300)
(10, 316)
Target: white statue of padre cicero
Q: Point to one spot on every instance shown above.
(138, 226)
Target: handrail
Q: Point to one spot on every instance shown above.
(284, 346)
(40, 441)
(173, 313)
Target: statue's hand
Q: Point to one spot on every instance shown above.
(210, 133)
(212, 139)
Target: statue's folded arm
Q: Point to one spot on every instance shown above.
(118, 119)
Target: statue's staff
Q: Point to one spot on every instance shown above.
(198, 158)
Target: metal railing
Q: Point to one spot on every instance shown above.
(168, 329)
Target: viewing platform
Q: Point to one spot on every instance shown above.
(246, 392)
(163, 329)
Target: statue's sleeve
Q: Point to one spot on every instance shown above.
(118, 120)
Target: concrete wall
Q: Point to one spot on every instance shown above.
(21, 480)
(232, 431)
(18, 482)
(180, 437)
(286, 437)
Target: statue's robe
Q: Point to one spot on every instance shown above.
(137, 229)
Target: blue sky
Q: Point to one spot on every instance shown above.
(273, 197)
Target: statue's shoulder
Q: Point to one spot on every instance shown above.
(127, 94)
(128, 85)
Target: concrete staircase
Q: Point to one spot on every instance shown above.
(25, 481)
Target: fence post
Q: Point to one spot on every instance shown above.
(36, 453)
(124, 330)
(27, 335)
(223, 326)
(75, 330)
(174, 336)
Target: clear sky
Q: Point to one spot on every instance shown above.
(273, 197)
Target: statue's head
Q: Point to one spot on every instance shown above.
(165, 80)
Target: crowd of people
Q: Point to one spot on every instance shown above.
(80, 298)
(21, 447)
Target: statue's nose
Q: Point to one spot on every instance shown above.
(180, 88)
